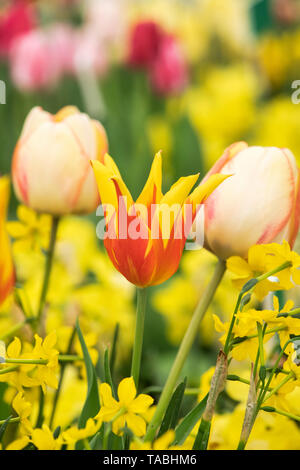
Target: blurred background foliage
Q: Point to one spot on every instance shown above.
(227, 77)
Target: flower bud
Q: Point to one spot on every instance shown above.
(51, 162)
(258, 204)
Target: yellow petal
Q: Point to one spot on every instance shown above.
(238, 266)
(126, 391)
(18, 444)
(106, 396)
(14, 348)
(136, 424)
(65, 112)
(201, 193)
(180, 190)
(141, 404)
(50, 341)
(106, 187)
(17, 229)
(4, 196)
(26, 215)
(154, 181)
(163, 442)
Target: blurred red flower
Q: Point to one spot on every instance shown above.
(16, 20)
(151, 48)
(144, 43)
(169, 72)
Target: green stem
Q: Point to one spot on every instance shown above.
(184, 349)
(48, 267)
(139, 334)
(262, 277)
(239, 340)
(8, 369)
(12, 420)
(229, 338)
(64, 358)
(283, 413)
(281, 384)
(10, 360)
(61, 378)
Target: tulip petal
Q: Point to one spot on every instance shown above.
(151, 192)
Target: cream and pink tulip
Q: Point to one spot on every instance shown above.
(260, 203)
(51, 163)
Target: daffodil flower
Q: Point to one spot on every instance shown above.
(126, 411)
(31, 231)
(43, 439)
(262, 259)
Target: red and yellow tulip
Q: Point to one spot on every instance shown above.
(161, 222)
(7, 274)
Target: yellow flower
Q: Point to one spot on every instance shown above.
(73, 434)
(18, 378)
(254, 266)
(32, 374)
(246, 349)
(31, 231)
(43, 439)
(162, 443)
(23, 409)
(276, 255)
(177, 300)
(44, 349)
(127, 410)
(19, 443)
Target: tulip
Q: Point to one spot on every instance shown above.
(152, 257)
(35, 62)
(169, 72)
(16, 20)
(51, 170)
(144, 44)
(7, 274)
(260, 203)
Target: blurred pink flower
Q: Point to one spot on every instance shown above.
(18, 19)
(144, 43)
(64, 41)
(106, 19)
(33, 61)
(90, 53)
(169, 72)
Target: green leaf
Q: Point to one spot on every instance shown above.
(92, 403)
(172, 413)
(114, 348)
(107, 372)
(185, 427)
(3, 427)
(249, 285)
(96, 441)
(201, 441)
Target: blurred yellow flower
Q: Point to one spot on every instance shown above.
(31, 231)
